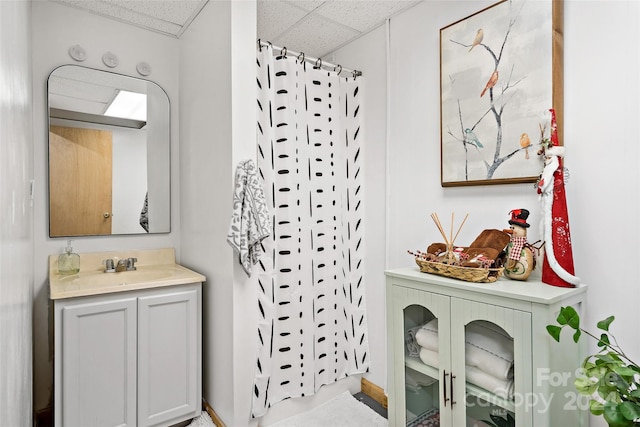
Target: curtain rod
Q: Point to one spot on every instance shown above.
(318, 62)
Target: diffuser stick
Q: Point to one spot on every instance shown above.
(435, 219)
(458, 232)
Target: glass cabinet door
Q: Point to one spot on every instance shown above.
(489, 374)
(417, 383)
(422, 364)
(491, 348)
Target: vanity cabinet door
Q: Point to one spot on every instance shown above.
(98, 378)
(169, 357)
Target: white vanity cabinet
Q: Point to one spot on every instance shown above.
(448, 381)
(129, 358)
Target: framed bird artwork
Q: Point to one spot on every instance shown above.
(501, 71)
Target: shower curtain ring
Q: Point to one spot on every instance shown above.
(301, 60)
(318, 66)
(259, 45)
(339, 69)
(283, 52)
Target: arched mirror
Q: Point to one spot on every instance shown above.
(109, 155)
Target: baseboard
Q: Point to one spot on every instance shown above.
(373, 391)
(214, 417)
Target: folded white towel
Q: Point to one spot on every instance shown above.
(430, 357)
(250, 220)
(410, 340)
(427, 335)
(487, 347)
(499, 387)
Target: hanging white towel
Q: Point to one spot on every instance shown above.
(250, 221)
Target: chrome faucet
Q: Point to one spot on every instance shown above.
(109, 267)
(121, 266)
(131, 264)
(125, 264)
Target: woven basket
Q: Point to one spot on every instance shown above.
(468, 274)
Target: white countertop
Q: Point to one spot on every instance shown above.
(530, 290)
(155, 268)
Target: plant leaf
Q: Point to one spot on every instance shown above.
(629, 410)
(624, 371)
(566, 314)
(554, 331)
(604, 324)
(576, 335)
(595, 407)
(613, 415)
(604, 340)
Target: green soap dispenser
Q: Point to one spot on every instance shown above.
(68, 262)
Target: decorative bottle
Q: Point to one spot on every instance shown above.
(68, 262)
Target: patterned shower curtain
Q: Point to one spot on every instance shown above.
(312, 327)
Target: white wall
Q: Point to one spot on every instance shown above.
(600, 139)
(16, 214)
(206, 162)
(55, 28)
(129, 179)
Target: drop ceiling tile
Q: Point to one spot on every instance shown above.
(174, 11)
(275, 17)
(315, 36)
(115, 11)
(307, 5)
(361, 15)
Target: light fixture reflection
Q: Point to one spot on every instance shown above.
(128, 105)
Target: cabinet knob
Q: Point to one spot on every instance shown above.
(106, 215)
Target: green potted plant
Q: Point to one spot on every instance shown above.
(611, 379)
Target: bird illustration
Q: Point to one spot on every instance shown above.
(525, 143)
(471, 138)
(491, 83)
(478, 39)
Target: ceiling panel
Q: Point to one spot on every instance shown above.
(170, 17)
(315, 27)
(325, 25)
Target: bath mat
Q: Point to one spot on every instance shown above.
(342, 411)
(204, 420)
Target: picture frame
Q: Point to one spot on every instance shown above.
(501, 71)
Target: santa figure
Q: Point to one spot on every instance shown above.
(557, 266)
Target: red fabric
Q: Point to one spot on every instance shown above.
(516, 250)
(560, 224)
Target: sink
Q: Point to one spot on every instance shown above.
(141, 275)
(156, 268)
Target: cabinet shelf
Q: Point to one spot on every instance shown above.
(416, 364)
